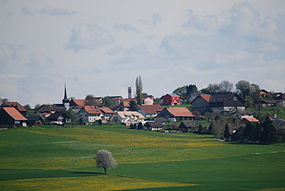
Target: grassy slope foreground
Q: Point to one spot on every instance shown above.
(61, 159)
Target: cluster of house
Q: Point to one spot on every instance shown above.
(13, 114)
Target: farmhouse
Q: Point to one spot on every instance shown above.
(150, 110)
(10, 117)
(218, 102)
(171, 99)
(127, 117)
(175, 114)
(89, 115)
(58, 118)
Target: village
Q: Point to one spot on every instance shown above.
(225, 114)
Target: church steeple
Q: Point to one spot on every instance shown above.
(65, 100)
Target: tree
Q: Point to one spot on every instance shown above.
(227, 133)
(243, 88)
(27, 107)
(140, 125)
(268, 134)
(3, 100)
(37, 107)
(226, 86)
(72, 115)
(133, 106)
(107, 102)
(91, 100)
(139, 88)
(105, 160)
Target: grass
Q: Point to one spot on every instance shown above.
(58, 158)
(279, 111)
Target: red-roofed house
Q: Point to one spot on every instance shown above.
(16, 105)
(171, 99)
(175, 114)
(150, 110)
(106, 112)
(89, 115)
(11, 117)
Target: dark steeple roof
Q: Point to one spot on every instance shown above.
(65, 99)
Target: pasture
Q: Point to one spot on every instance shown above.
(58, 158)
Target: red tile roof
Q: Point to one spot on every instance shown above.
(151, 108)
(206, 97)
(250, 119)
(106, 110)
(92, 110)
(80, 102)
(180, 112)
(14, 113)
(18, 106)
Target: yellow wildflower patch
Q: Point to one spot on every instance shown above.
(102, 183)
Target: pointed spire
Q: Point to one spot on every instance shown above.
(65, 99)
(65, 93)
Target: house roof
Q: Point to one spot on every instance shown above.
(14, 113)
(106, 110)
(250, 119)
(91, 110)
(126, 114)
(206, 97)
(189, 124)
(79, 102)
(56, 115)
(180, 112)
(152, 109)
(154, 124)
(47, 108)
(220, 99)
(18, 106)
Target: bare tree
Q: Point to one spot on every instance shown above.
(226, 86)
(105, 160)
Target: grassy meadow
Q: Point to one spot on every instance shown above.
(59, 158)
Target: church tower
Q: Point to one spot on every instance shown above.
(65, 100)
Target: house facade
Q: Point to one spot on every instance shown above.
(171, 99)
(218, 102)
(10, 117)
(89, 115)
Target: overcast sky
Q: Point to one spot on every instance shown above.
(100, 47)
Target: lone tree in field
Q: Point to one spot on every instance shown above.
(105, 160)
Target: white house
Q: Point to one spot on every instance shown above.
(89, 115)
(127, 117)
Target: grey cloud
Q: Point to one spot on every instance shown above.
(126, 27)
(87, 36)
(199, 23)
(153, 21)
(56, 11)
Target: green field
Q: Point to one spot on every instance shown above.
(58, 158)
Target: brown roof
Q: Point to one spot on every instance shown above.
(250, 119)
(92, 110)
(106, 110)
(151, 108)
(14, 113)
(18, 106)
(180, 112)
(79, 102)
(206, 97)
